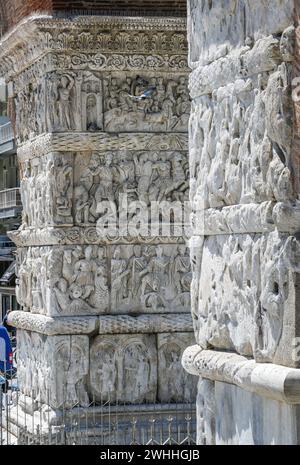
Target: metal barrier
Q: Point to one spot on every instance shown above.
(26, 420)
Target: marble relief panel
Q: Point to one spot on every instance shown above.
(60, 281)
(174, 383)
(154, 279)
(93, 101)
(123, 368)
(53, 369)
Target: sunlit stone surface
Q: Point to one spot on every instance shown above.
(244, 190)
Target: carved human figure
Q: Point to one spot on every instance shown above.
(126, 172)
(269, 317)
(91, 113)
(112, 100)
(33, 192)
(82, 204)
(68, 299)
(136, 371)
(83, 271)
(107, 373)
(63, 173)
(180, 267)
(179, 179)
(155, 276)
(25, 194)
(100, 295)
(144, 173)
(105, 189)
(64, 102)
(52, 99)
(162, 178)
(183, 100)
(119, 273)
(137, 264)
(125, 102)
(175, 374)
(70, 372)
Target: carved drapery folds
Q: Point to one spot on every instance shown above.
(86, 139)
(244, 191)
(90, 101)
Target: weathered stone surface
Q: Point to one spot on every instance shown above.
(94, 280)
(52, 326)
(104, 324)
(173, 383)
(171, 323)
(123, 368)
(74, 188)
(266, 379)
(233, 23)
(244, 192)
(238, 399)
(241, 142)
(251, 303)
(57, 281)
(151, 279)
(95, 295)
(53, 369)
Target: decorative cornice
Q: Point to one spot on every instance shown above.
(266, 379)
(119, 324)
(75, 235)
(39, 35)
(52, 326)
(101, 141)
(249, 218)
(130, 23)
(149, 324)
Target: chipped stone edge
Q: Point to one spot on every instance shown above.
(248, 218)
(265, 379)
(105, 324)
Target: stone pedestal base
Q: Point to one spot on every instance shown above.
(241, 402)
(101, 425)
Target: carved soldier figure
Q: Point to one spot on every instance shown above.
(112, 100)
(70, 372)
(52, 100)
(105, 189)
(100, 296)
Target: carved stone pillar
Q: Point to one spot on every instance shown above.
(105, 309)
(244, 160)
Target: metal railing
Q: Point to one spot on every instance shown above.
(30, 419)
(24, 420)
(6, 133)
(10, 198)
